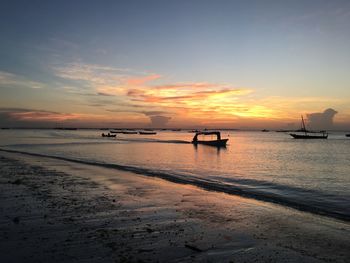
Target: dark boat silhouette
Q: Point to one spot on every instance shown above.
(306, 134)
(347, 135)
(147, 132)
(109, 135)
(124, 131)
(218, 142)
(129, 132)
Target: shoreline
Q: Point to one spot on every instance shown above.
(314, 208)
(56, 210)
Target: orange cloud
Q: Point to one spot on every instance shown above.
(174, 92)
(192, 101)
(107, 80)
(136, 81)
(49, 116)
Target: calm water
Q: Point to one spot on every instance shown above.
(312, 175)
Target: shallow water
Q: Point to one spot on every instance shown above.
(312, 175)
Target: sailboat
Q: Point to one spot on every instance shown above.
(306, 134)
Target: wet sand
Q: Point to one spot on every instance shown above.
(58, 211)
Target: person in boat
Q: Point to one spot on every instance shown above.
(108, 135)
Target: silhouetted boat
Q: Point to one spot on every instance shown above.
(147, 132)
(218, 142)
(109, 135)
(264, 130)
(129, 132)
(307, 135)
(124, 132)
(347, 135)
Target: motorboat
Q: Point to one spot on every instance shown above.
(218, 142)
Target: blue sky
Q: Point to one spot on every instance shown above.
(293, 57)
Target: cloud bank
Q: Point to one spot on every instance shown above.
(322, 120)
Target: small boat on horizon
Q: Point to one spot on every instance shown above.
(129, 132)
(147, 132)
(123, 131)
(218, 142)
(306, 134)
(109, 135)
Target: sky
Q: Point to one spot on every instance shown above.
(184, 64)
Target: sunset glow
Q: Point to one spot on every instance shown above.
(119, 76)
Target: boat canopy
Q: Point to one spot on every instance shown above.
(217, 133)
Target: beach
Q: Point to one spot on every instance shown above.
(59, 211)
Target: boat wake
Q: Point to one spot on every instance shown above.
(301, 199)
(111, 141)
(152, 140)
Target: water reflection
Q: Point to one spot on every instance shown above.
(210, 149)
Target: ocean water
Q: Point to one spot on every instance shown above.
(309, 175)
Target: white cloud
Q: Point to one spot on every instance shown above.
(9, 79)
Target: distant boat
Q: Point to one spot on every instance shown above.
(147, 132)
(123, 132)
(218, 142)
(264, 130)
(347, 135)
(109, 135)
(129, 132)
(306, 134)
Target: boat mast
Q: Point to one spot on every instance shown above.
(303, 123)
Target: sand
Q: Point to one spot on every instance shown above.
(58, 211)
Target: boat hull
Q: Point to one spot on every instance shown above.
(109, 136)
(217, 143)
(307, 136)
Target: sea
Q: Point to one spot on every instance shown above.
(308, 175)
